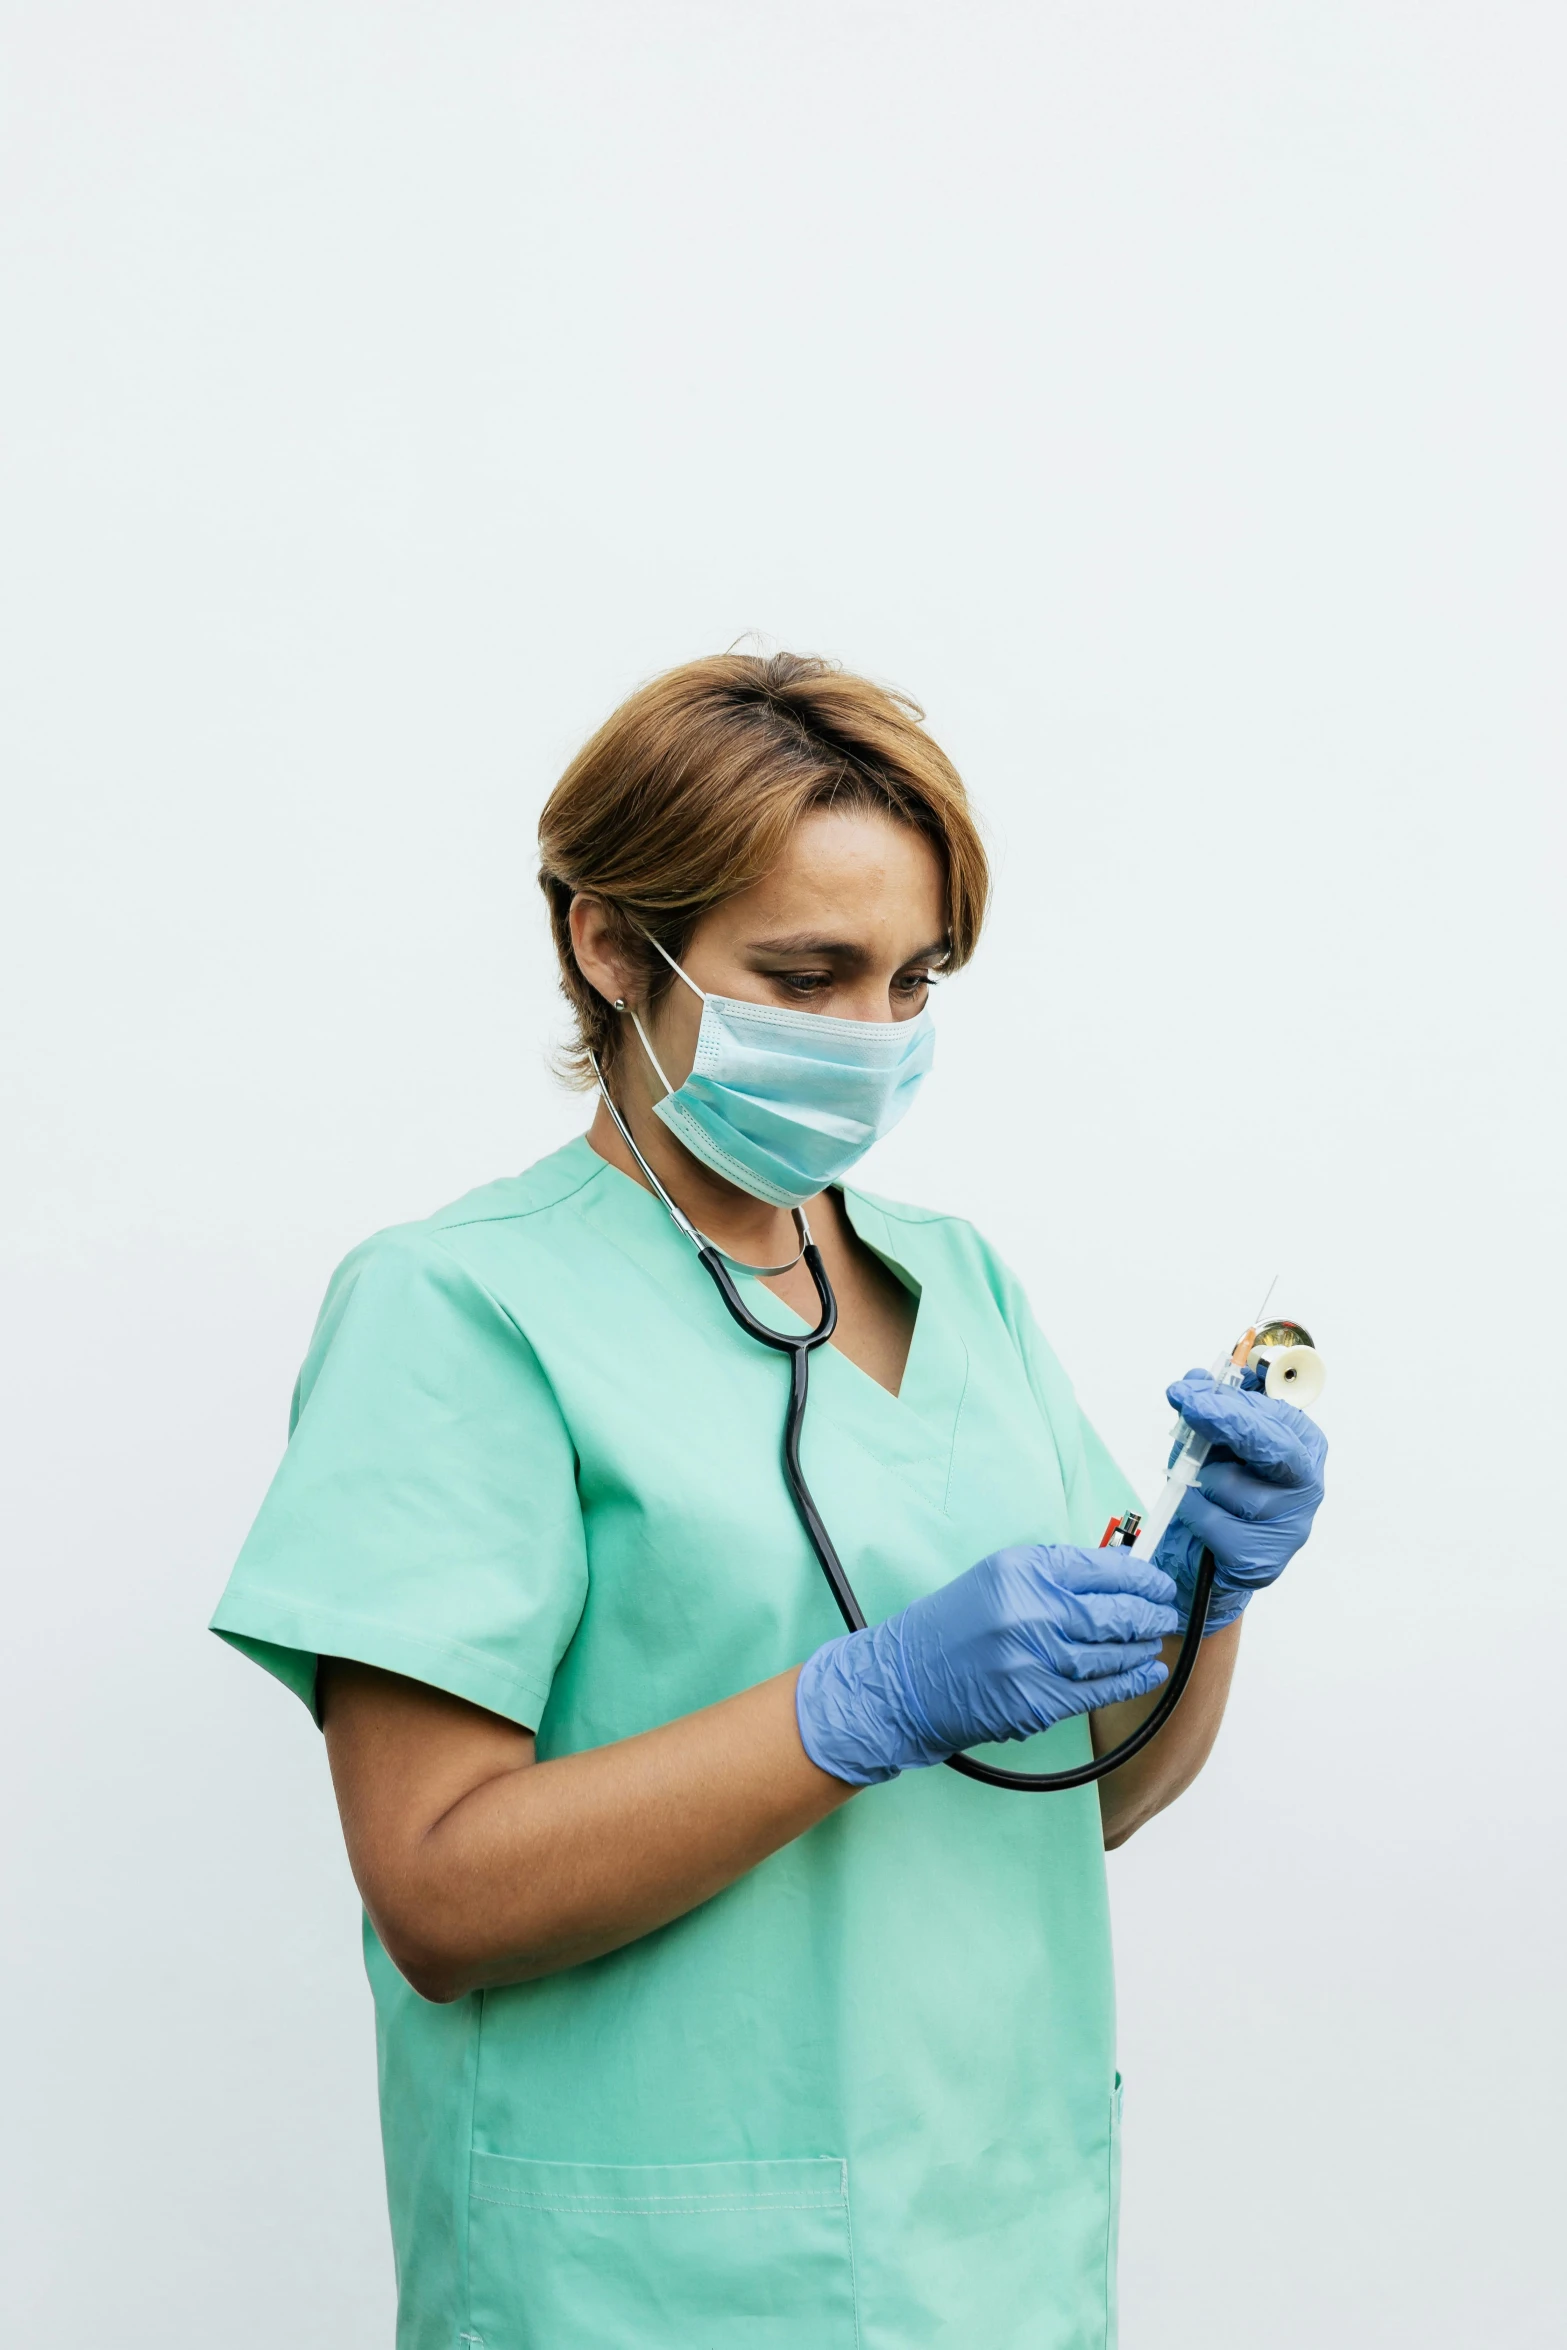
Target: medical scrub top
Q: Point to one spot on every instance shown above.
(865, 2098)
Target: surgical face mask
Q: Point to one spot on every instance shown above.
(784, 1102)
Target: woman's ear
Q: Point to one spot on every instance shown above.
(596, 943)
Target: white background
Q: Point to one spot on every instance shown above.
(1171, 398)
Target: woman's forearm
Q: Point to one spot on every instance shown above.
(1166, 1767)
(480, 1865)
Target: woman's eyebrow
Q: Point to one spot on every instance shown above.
(838, 950)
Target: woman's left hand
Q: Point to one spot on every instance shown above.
(1255, 1497)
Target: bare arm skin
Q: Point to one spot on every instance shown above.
(480, 1865)
(1131, 1796)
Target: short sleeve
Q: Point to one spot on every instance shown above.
(425, 1516)
(1096, 1489)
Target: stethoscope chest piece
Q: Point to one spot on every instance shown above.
(1291, 1368)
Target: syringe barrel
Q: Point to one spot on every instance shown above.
(1193, 1451)
(1182, 1477)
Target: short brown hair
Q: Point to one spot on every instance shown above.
(687, 795)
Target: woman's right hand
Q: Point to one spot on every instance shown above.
(1021, 1641)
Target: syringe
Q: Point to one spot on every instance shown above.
(1190, 1453)
(1292, 1371)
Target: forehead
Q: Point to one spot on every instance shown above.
(862, 868)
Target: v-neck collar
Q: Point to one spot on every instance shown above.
(899, 1429)
(860, 1212)
(867, 1221)
(915, 1430)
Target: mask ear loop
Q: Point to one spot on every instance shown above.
(698, 1240)
(700, 992)
(621, 1005)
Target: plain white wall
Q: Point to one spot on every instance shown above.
(1172, 399)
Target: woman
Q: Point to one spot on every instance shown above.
(710, 2013)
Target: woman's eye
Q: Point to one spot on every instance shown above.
(803, 984)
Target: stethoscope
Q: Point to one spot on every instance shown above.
(799, 1351)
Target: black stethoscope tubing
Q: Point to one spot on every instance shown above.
(799, 1349)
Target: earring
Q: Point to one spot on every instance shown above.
(620, 1003)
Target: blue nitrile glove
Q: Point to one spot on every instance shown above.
(1022, 1640)
(1255, 1497)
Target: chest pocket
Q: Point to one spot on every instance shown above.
(673, 2256)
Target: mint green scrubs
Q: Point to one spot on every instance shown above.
(865, 2099)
